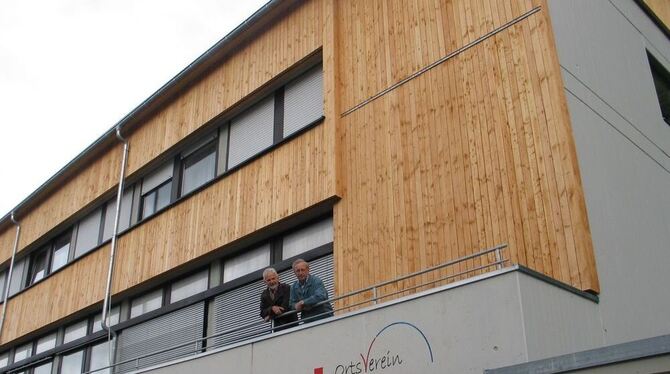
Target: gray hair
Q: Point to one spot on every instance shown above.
(299, 261)
(269, 271)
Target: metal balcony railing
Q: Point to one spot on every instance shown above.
(201, 345)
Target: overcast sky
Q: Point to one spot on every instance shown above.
(71, 69)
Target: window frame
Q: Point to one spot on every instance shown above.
(660, 73)
(44, 251)
(154, 191)
(192, 158)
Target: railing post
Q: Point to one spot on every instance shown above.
(374, 295)
(137, 363)
(498, 259)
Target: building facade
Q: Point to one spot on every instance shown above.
(375, 139)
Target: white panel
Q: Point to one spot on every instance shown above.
(88, 233)
(303, 100)
(310, 237)
(157, 178)
(620, 139)
(246, 262)
(251, 132)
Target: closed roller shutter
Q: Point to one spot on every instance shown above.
(303, 100)
(181, 326)
(251, 132)
(236, 308)
(241, 305)
(322, 267)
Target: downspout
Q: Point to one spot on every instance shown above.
(106, 307)
(9, 274)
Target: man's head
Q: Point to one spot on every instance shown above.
(271, 278)
(301, 269)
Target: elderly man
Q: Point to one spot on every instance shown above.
(307, 292)
(275, 300)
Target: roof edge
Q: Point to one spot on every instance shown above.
(163, 94)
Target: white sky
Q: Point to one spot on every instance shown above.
(71, 69)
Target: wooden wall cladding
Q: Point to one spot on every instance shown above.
(75, 287)
(476, 152)
(7, 238)
(661, 8)
(92, 181)
(283, 44)
(293, 177)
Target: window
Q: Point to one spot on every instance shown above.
(156, 190)
(23, 352)
(38, 266)
(198, 166)
(112, 319)
(303, 100)
(3, 279)
(43, 369)
(310, 237)
(61, 248)
(88, 233)
(251, 132)
(45, 343)
(662, 85)
(75, 331)
(189, 286)
(124, 214)
(17, 277)
(100, 357)
(146, 303)
(246, 262)
(72, 363)
(4, 359)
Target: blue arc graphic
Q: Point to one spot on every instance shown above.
(430, 350)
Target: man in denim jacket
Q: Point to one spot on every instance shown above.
(307, 292)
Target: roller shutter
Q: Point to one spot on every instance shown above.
(181, 326)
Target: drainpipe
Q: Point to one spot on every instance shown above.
(9, 274)
(106, 308)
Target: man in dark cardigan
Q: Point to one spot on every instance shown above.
(274, 301)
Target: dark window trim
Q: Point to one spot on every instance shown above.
(85, 343)
(254, 276)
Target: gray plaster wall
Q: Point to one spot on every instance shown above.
(622, 147)
(497, 321)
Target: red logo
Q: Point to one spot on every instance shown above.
(318, 370)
